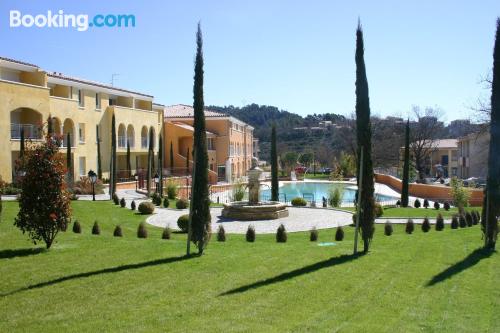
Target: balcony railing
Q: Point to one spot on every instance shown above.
(30, 131)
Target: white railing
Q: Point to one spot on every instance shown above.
(30, 131)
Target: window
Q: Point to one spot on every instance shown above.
(81, 164)
(112, 101)
(80, 98)
(210, 144)
(81, 133)
(98, 101)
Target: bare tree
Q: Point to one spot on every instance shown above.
(423, 138)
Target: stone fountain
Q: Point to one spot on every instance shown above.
(253, 209)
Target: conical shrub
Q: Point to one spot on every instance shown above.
(77, 228)
(339, 234)
(250, 235)
(221, 234)
(95, 229)
(426, 203)
(142, 232)
(313, 235)
(116, 201)
(410, 227)
(132, 205)
(426, 225)
(281, 236)
(122, 202)
(461, 221)
(166, 202)
(436, 205)
(475, 217)
(118, 231)
(468, 219)
(388, 230)
(439, 222)
(167, 233)
(454, 222)
(417, 203)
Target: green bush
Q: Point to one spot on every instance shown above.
(156, 199)
(146, 207)
(142, 232)
(417, 204)
(461, 221)
(313, 236)
(118, 231)
(238, 191)
(426, 225)
(475, 217)
(250, 235)
(171, 191)
(122, 202)
(468, 219)
(436, 205)
(221, 234)
(95, 229)
(182, 222)
(132, 205)
(446, 206)
(166, 202)
(454, 222)
(388, 230)
(116, 201)
(410, 227)
(339, 234)
(426, 203)
(281, 236)
(181, 204)
(439, 222)
(299, 202)
(77, 228)
(378, 210)
(166, 234)
(335, 196)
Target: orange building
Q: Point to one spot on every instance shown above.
(229, 143)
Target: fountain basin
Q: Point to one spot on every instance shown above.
(245, 211)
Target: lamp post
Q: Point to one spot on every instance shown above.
(136, 177)
(157, 181)
(93, 178)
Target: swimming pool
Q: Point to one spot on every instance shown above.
(316, 191)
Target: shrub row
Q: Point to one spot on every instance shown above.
(118, 232)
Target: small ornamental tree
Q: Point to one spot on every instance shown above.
(439, 222)
(436, 205)
(426, 225)
(44, 202)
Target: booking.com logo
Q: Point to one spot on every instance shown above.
(80, 22)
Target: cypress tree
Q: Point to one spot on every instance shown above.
(68, 159)
(171, 158)
(50, 126)
(274, 166)
(129, 165)
(112, 183)
(150, 157)
(99, 167)
(21, 144)
(492, 207)
(199, 224)
(160, 164)
(406, 167)
(187, 162)
(364, 134)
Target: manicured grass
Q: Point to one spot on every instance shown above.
(316, 176)
(432, 281)
(418, 212)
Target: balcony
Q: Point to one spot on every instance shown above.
(30, 131)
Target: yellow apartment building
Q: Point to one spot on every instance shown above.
(229, 143)
(28, 95)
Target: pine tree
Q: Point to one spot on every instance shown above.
(274, 166)
(492, 207)
(406, 167)
(99, 167)
(364, 135)
(112, 183)
(199, 226)
(171, 158)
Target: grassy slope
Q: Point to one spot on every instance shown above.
(100, 283)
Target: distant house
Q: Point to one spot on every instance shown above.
(443, 159)
(473, 155)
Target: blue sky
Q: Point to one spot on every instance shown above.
(296, 55)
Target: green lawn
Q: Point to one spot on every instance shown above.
(432, 282)
(316, 176)
(410, 212)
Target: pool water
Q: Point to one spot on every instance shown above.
(316, 191)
